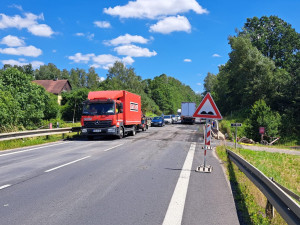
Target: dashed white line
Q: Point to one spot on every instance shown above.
(5, 186)
(58, 167)
(175, 210)
(112, 148)
(32, 149)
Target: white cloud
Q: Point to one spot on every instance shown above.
(19, 7)
(79, 34)
(28, 22)
(153, 9)
(171, 24)
(89, 36)
(103, 61)
(100, 79)
(127, 39)
(79, 58)
(216, 55)
(128, 60)
(187, 60)
(102, 24)
(26, 51)
(40, 30)
(22, 62)
(199, 84)
(12, 41)
(134, 51)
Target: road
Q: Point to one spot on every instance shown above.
(146, 179)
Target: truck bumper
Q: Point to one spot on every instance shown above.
(99, 131)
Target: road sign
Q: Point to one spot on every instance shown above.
(236, 124)
(208, 109)
(261, 130)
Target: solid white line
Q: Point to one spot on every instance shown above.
(32, 149)
(175, 210)
(112, 147)
(67, 164)
(5, 186)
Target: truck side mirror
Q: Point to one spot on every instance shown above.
(121, 108)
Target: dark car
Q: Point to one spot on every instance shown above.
(157, 121)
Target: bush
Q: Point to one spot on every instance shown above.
(262, 116)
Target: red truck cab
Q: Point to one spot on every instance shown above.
(111, 113)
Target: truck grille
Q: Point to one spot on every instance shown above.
(97, 123)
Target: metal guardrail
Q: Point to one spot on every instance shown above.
(285, 205)
(34, 133)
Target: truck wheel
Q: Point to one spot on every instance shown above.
(133, 132)
(121, 133)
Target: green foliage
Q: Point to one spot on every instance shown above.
(168, 93)
(264, 64)
(209, 83)
(51, 107)
(262, 116)
(71, 109)
(24, 101)
(121, 78)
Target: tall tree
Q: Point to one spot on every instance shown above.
(92, 79)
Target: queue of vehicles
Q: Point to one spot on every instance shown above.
(117, 113)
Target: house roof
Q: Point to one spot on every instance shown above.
(53, 86)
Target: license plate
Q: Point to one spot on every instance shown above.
(97, 130)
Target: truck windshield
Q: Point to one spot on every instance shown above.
(99, 109)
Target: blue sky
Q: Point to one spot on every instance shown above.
(184, 39)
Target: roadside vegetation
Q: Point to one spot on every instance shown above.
(25, 142)
(249, 200)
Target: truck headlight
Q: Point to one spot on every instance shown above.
(84, 130)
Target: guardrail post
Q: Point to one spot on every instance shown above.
(269, 210)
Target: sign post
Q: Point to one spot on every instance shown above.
(207, 110)
(236, 125)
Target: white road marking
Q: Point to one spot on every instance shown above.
(32, 149)
(175, 210)
(112, 148)
(5, 186)
(58, 167)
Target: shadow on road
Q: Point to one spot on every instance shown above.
(240, 205)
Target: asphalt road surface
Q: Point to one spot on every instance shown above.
(146, 179)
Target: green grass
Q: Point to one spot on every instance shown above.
(24, 142)
(249, 200)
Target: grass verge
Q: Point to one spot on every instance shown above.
(249, 200)
(24, 142)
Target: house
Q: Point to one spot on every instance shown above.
(55, 87)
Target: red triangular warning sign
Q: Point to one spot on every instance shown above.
(208, 109)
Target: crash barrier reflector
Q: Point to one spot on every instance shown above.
(283, 203)
(32, 133)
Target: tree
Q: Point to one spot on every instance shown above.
(247, 77)
(262, 116)
(72, 104)
(275, 39)
(28, 98)
(47, 72)
(209, 83)
(92, 79)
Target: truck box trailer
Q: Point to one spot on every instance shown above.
(115, 113)
(187, 112)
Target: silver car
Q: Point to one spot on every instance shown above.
(168, 119)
